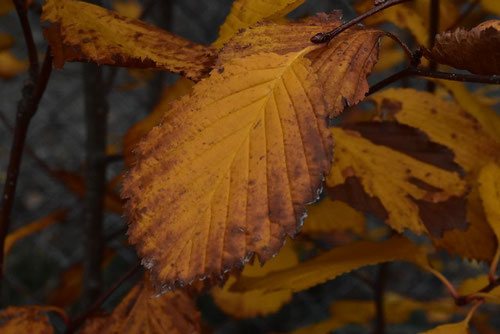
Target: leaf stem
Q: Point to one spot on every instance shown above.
(427, 73)
(28, 105)
(325, 37)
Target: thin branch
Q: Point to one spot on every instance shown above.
(434, 13)
(325, 37)
(27, 107)
(22, 13)
(426, 73)
(77, 322)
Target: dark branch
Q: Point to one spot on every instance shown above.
(26, 109)
(325, 37)
(434, 14)
(22, 13)
(427, 73)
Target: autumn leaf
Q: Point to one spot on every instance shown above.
(489, 191)
(342, 67)
(79, 31)
(256, 303)
(32, 228)
(27, 319)
(476, 50)
(140, 311)
(245, 13)
(338, 261)
(452, 126)
(461, 327)
(233, 178)
(397, 195)
(328, 215)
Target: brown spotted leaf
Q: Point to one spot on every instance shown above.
(229, 171)
(476, 50)
(394, 183)
(79, 31)
(342, 67)
(141, 311)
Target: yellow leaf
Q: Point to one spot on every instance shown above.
(254, 303)
(329, 215)
(128, 8)
(79, 31)
(491, 5)
(333, 263)
(342, 66)
(478, 240)
(451, 126)
(33, 227)
(476, 50)
(141, 311)
(245, 13)
(141, 128)
(473, 104)
(27, 319)
(461, 327)
(489, 191)
(10, 66)
(222, 156)
(398, 191)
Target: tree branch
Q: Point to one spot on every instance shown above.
(22, 13)
(28, 105)
(379, 298)
(325, 37)
(434, 14)
(427, 73)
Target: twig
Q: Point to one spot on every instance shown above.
(77, 322)
(379, 298)
(26, 109)
(22, 13)
(325, 37)
(426, 73)
(410, 55)
(96, 114)
(434, 13)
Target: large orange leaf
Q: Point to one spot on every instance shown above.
(79, 31)
(232, 165)
(476, 50)
(141, 311)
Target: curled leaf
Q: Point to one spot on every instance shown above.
(476, 50)
(79, 31)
